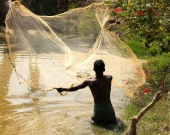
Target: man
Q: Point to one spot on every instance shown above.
(100, 87)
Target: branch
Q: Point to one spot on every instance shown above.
(132, 128)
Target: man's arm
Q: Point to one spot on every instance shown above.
(74, 88)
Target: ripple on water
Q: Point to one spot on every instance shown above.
(18, 101)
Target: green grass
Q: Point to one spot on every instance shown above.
(153, 121)
(137, 47)
(157, 69)
(132, 111)
(72, 6)
(108, 2)
(160, 62)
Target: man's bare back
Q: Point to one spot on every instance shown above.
(100, 88)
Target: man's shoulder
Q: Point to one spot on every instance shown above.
(108, 76)
(91, 79)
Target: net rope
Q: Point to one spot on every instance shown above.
(59, 51)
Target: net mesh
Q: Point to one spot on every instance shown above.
(59, 51)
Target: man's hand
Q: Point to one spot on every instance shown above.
(60, 89)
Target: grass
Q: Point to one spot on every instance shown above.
(157, 120)
(154, 121)
(72, 6)
(137, 47)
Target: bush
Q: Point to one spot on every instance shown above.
(149, 20)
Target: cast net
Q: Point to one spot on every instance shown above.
(59, 51)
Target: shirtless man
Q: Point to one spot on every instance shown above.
(100, 87)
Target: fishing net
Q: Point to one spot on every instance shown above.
(59, 51)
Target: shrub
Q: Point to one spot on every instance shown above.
(150, 20)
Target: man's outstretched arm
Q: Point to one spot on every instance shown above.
(74, 88)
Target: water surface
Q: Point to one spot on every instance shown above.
(27, 111)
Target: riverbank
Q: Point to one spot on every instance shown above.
(157, 120)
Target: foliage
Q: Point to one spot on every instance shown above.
(108, 2)
(72, 6)
(88, 24)
(150, 20)
(147, 32)
(157, 72)
(136, 46)
(157, 69)
(44, 7)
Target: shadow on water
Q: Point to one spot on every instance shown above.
(5, 74)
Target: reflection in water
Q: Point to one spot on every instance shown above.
(5, 72)
(26, 111)
(34, 73)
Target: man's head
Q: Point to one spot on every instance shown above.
(99, 66)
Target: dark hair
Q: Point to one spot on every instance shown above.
(99, 66)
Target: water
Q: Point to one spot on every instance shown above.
(26, 111)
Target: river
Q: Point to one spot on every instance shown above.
(26, 111)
